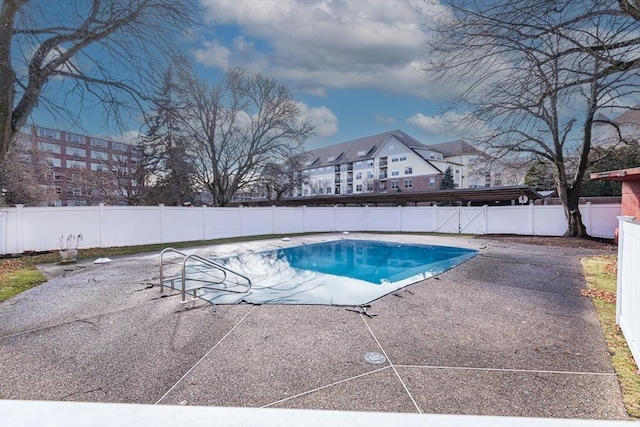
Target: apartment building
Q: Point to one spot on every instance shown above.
(84, 170)
(392, 161)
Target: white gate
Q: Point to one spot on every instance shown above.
(471, 220)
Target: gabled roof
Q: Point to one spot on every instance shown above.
(357, 149)
(630, 116)
(454, 148)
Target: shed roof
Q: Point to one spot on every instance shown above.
(632, 174)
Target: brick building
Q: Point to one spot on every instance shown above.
(84, 170)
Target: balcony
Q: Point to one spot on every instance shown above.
(336, 181)
(349, 180)
(337, 169)
(382, 176)
(382, 163)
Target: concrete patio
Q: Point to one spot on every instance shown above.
(504, 334)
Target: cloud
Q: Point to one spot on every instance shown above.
(460, 125)
(384, 119)
(326, 123)
(321, 44)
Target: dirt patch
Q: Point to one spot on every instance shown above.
(564, 242)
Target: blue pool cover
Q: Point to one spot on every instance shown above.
(340, 272)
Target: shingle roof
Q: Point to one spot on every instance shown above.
(454, 148)
(631, 116)
(357, 149)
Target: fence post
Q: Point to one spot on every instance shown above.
(399, 217)
(588, 213)
(435, 218)
(532, 224)
(204, 222)
(304, 218)
(335, 218)
(100, 223)
(161, 226)
(273, 219)
(485, 209)
(19, 228)
(621, 221)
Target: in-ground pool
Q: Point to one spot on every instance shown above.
(339, 272)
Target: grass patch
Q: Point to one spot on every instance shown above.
(600, 273)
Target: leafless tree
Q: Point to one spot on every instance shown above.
(280, 179)
(100, 53)
(536, 73)
(22, 173)
(239, 127)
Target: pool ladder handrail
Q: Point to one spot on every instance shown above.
(204, 261)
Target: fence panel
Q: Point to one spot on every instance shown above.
(628, 292)
(417, 218)
(602, 219)
(447, 219)
(289, 220)
(35, 229)
(222, 222)
(130, 225)
(319, 219)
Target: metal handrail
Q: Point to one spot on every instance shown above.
(203, 260)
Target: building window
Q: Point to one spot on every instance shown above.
(497, 179)
(118, 146)
(362, 153)
(57, 190)
(74, 191)
(370, 162)
(359, 175)
(394, 159)
(359, 188)
(395, 172)
(26, 129)
(72, 137)
(57, 176)
(56, 163)
(432, 182)
(76, 152)
(98, 167)
(76, 164)
(408, 170)
(49, 148)
(403, 158)
(394, 185)
(48, 133)
(408, 184)
(369, 174)
(100, 143)
(100, 155)
(328, 190)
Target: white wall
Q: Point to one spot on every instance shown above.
(39, 229)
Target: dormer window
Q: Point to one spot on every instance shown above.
(362, 153)
(331, 158)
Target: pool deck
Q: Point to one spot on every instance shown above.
(504, 334)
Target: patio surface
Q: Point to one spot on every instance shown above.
(504, 334)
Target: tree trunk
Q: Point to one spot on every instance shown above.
(575, 227)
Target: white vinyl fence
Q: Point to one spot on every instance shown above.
(39, 229)
(628, 292)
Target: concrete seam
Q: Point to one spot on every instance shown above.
(205, 355)
(324, 386)
(392, 365)
(533, 371)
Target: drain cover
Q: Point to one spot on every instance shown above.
(375, 358)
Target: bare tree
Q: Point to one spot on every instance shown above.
(103, 51)
(280, 179)
(22, 173)
(238, 127)
(537, 73)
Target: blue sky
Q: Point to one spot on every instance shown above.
(354, 65)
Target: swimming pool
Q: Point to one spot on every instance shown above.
(339, 272)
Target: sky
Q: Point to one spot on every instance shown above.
(355, 66)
